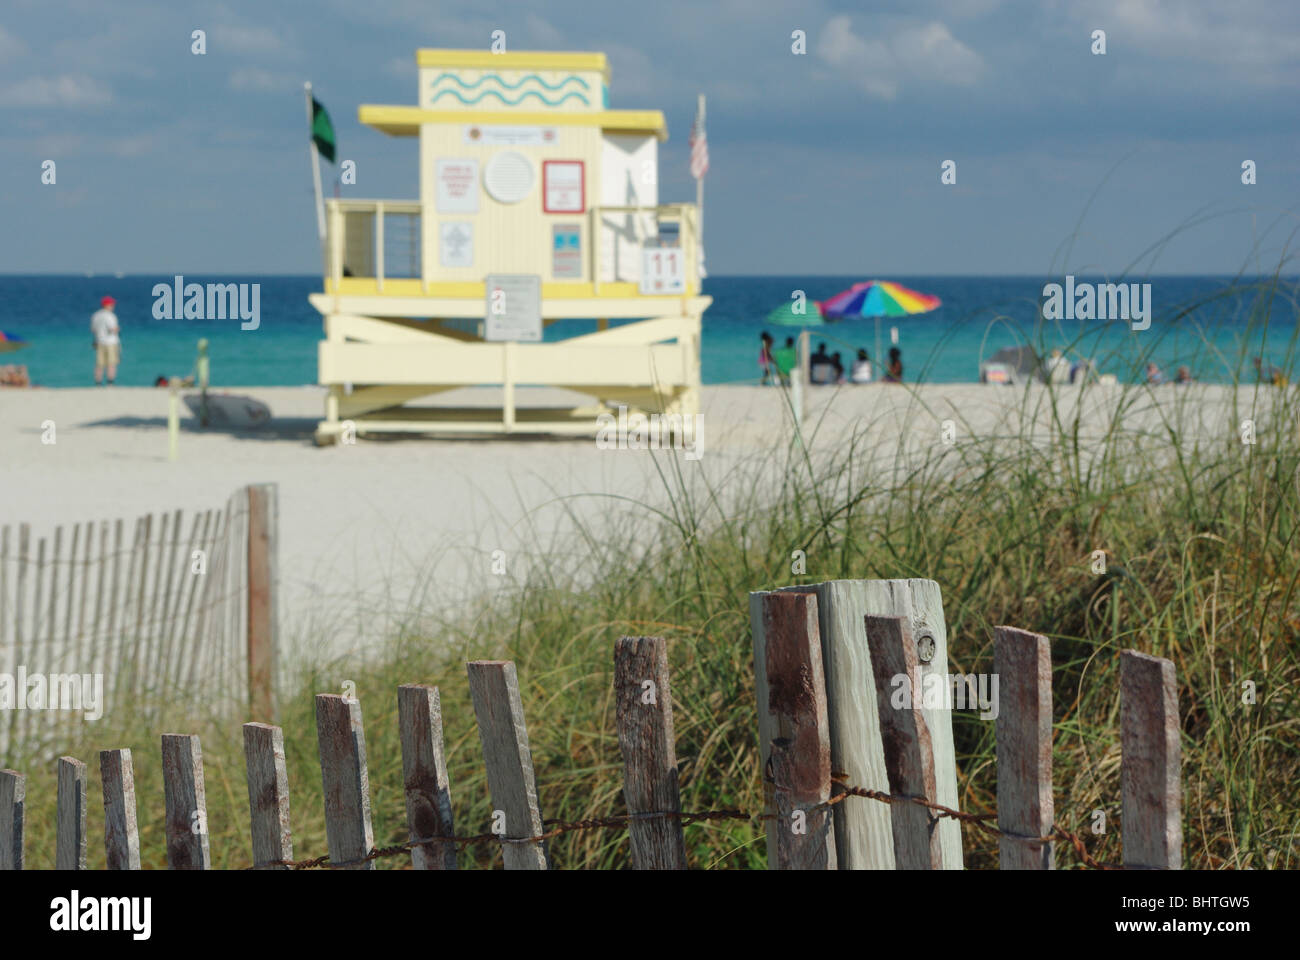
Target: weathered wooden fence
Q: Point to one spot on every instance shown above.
(834, 742)
(176, 609)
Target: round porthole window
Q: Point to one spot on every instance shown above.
(508, 177)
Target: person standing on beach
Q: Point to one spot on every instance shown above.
(108, 346)
(765, 361)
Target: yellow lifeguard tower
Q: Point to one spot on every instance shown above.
(537, 203)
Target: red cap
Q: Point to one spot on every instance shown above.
(107, 302)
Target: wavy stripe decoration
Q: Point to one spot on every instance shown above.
(512, 103)
(509, 86)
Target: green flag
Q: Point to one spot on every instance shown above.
(322, 131)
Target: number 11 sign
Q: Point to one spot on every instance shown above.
(662, 270)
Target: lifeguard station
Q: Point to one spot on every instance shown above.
(537, 203)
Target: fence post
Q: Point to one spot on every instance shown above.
(121, 836)
(13, 791)
(424, 776)
(263, 613)
(1150, 775)
(186, 803)
(794, 733)
(645, 738)
(345, 779)
(268, 794)
(494, 686)
(909, 751)
(70, 836)
(1022, 662)
(864, 831)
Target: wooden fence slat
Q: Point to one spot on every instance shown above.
(70, 816)
(13, 793)
(5, 664)
(152, 639)
(186, 803)
(4, 586)
(864, 831)
(20, 592)
(38, 612)
(909, 751)
(1150, 774)
(424, 776)
(211, 587)
(268, 794)
(499, 710)
(106, 628)
(645, 736)
(790, 693)
(118, 659)
(85, 591)
(68, 633)
(345, 779)
(139, 641)
(196, 582)
(167, 620)
(121, 835)
(262, 622)
(184, 587)
(1022, 662)
(51, 632)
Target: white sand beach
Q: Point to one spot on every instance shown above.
(373, 530)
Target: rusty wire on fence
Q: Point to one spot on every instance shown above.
(622, 821)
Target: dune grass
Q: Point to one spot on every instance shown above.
(1201, 539)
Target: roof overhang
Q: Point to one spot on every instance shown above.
(406, 121)
(519, 60)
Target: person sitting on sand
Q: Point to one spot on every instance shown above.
(1184, 375)
(1273, 375)
(839, 368)
(108, 346)
(894, 372)
(14, 375)
(1155, 376)
(861, 372)
(821, 369)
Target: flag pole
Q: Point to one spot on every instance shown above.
(315, 174)
(699, 200)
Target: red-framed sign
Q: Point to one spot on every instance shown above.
(564, 186)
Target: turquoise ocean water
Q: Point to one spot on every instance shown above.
(1215, 325)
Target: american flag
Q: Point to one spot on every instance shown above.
(699, 148)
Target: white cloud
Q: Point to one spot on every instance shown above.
(544, 35)
(404, 67)
(909, 52)
(227, 38)
(65, 90)
(257, 80)
(1259, 38)
(10, 46)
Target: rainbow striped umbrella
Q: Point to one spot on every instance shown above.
(877, 298)
(9, 342)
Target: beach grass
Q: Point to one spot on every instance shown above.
(1201, 540)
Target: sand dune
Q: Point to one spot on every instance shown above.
(371, 530)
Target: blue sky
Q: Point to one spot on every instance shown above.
(825, 163)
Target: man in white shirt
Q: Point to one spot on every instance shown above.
(108, 347)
